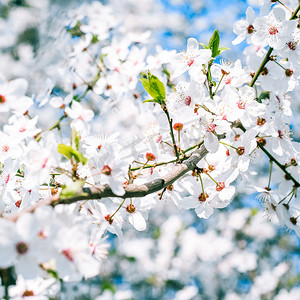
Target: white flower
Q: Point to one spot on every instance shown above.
(273, 30)
(137, 212)
(244, 28)
(37, 288)
(80, 115)
(38, 161)
(22, 246)
(12, 96)
(74, 257)
(192, 58)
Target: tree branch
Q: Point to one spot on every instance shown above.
(133, 190)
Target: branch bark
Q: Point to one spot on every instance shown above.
(133, 190)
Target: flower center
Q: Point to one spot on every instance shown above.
(261, 141)
(178, 126)
(289, 72)
(109, 219)
(28, 293)
(250, 29)
(190, 61)
(202, 197)
(292, 45)
(210, 127)
(273, 30)
(220, 186)
(264, 71)
(170, 187)
(22, 248)
(2, 99)
(241, 104)
(42, 235)
(187, 100)
(240, 150)
(106, 170)
(18, 203)
(228, 80)
(130, 208)
(260, 121)
(5, 148)
(211, 168)
(150, 156)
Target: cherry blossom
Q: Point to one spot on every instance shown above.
(273, 29)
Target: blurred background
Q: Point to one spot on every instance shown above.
(236, 254)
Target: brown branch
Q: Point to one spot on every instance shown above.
(133, 190)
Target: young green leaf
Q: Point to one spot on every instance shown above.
(264, 95)
(151, 100)
(68, 152)
(223, 49)
(214, 43)
(154, 87)
(204, 46)
(72, 189)
(65, 150)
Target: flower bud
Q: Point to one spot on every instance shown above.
(261, 141)
(260, 121)
(106, 170)
(109, 219)
(130, 208)
(220, 186)
(250, 29)
(150, 156)
(178, 126)
(202, 197)
(240, 150)
(289, 72)
(2, 99)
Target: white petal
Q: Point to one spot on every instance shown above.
(18, 86)
(189, 202)
(137, 221)
(227, 193)
(204, 211)
(192, 44)
(211, 142)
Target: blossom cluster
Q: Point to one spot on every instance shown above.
(53, 177)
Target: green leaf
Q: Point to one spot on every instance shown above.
(223, 49)
(254, 211)
(204, 46)
(214, 43)
(264, 95)
(69, 152)
(72, 189)
(165, 71)
(151, 100)
(75, 138)
(94, 39)
(65, 150)
(75, 31)
(154, 87)
(107, 285)
(209, 76)
(53, 273)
